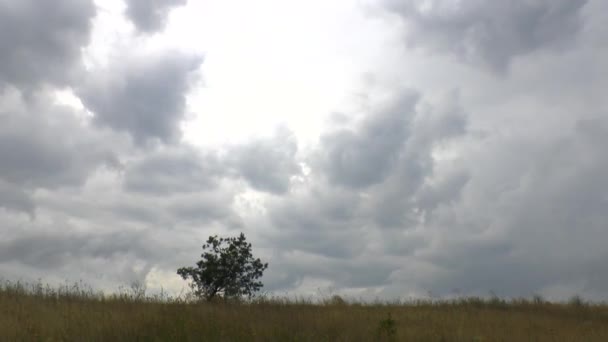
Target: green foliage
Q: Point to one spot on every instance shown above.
(227, 269)
(336, 300)
(576, 301)
(387, 329)
(538, 299)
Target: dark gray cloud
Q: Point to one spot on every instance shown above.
(389, 154)
(35, 151)
(173, 170)
(103, 202)
(541, 231)
(318, 219)
(202, 209)
(12, 197)
(366, 155)
(342, 207)
(41, 41)
(76, 255)
(151, 15)
(55, 250)
(292, 269)
(109, 237)
(267, 164)
(446, 189)
(144, 96)
(490, 32)
(394, 202)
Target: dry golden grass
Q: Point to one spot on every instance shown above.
(76, 313)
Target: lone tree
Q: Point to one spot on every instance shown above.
(227, 269)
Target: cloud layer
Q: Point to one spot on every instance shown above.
(151, 16)
(41, 42)
(490, 32)
(469, 160)
(143, 96)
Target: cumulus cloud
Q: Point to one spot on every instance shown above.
(41, 41)
(364, 156)
(360, 220)
(56, 250)
(317, 220)
(490, 32)
(90, 197)
(267, 164)
(68, 255)
(151, 15)
(389, 153)
(12, 197)
(107, 236)
(144, 96)
(36, 153)
(536, 230)
(174, 170)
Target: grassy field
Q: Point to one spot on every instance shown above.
(77, 313)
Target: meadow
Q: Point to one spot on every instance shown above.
(37, 312)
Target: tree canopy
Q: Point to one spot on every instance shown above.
(227, 269)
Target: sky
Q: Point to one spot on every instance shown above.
(374, 149)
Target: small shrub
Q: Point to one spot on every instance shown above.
(387, 329)
(335, 300)
(538, 299)
(576, 301)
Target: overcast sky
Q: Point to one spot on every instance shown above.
(388, 148)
